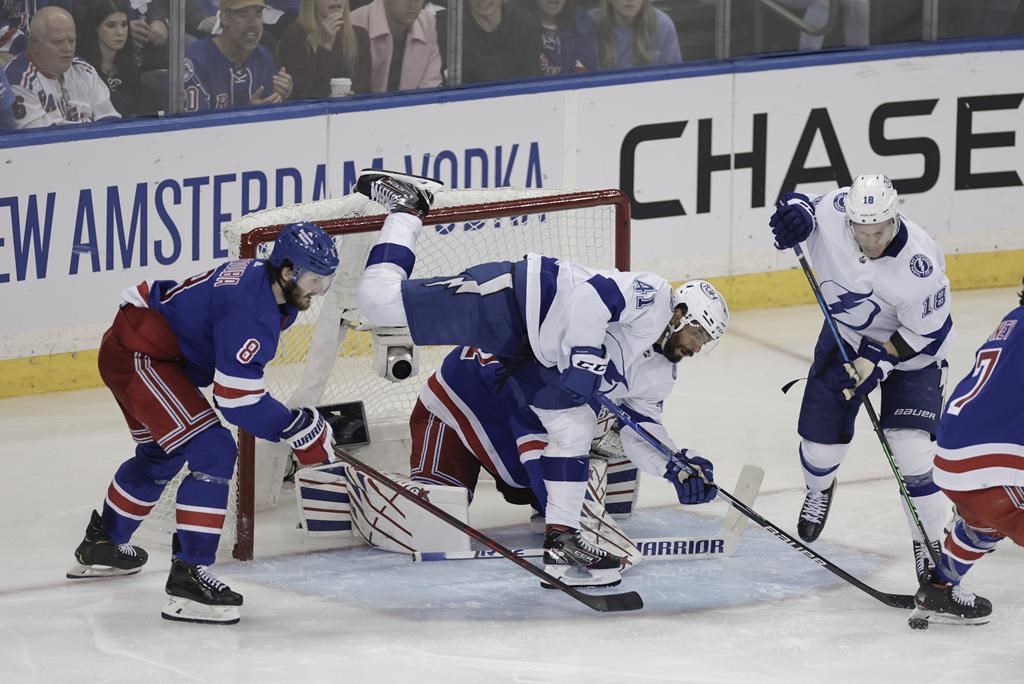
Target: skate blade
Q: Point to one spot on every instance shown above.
(184, 610)
(426, 182)
(575, 576)
(79, 571)
(921, 619)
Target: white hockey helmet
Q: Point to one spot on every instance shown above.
(872, 199)
(704, 307)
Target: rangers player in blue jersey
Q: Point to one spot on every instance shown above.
(883, 279)
(979, 464)
(169, 339)
(563, 333)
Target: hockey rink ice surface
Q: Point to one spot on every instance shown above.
(317, 613)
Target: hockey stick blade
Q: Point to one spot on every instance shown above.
(606, 603)
(892, 600)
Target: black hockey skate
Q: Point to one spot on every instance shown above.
(815, 512)
(575, 561)
(398, 192)
(923, 563)
(948, 604)
(97, 556)
(195, 595)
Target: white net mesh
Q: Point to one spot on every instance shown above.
(322, 360)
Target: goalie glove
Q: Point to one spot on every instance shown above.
(693, 476)
(310, 437)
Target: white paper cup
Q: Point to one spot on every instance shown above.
(340, 87)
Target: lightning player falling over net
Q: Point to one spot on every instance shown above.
(470, 416)
(980, 465)
(562, 332)
(168, 340)
(883, 279)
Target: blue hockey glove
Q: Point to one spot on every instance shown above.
(793, 219)
(586, 369)
(872, 366)
(310, 437)
(692, 489)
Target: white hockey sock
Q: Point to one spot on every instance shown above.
(913, 452)
(820, 462)
(565, 501)
(401, 229)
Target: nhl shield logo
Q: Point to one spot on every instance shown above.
(921, 266)
(839, 202)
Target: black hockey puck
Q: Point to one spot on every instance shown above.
(917, 623)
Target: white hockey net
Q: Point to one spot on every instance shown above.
(322, 360)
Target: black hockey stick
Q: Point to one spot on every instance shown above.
(607, 603)
(904, 601)
(875, 423)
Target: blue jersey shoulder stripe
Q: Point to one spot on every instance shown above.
(610, 294)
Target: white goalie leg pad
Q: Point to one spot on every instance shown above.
(321, 493)
(389, 521)
(597, 525)
(623, 477)
(913, 451)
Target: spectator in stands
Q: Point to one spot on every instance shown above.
(633, 33)
(232, 69)
(856, 21)
(150, 31)
(13, 29)
(104, 41)
(500, 41)
(567, 35)
(399, 37)
(6, 103)
(52, 86)
(320, 46)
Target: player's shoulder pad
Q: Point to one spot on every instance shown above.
(921, 258)
(644, 289)
(834, 202)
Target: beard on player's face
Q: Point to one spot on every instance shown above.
(296, 296)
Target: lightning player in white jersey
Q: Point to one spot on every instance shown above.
(168, 339)
(979, 463)
(883, 280)
(563, 332)
(468, 415)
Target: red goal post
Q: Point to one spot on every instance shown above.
(465, 227)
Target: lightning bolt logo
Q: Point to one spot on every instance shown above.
(465, 286)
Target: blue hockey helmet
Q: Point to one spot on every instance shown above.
(311, 253)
